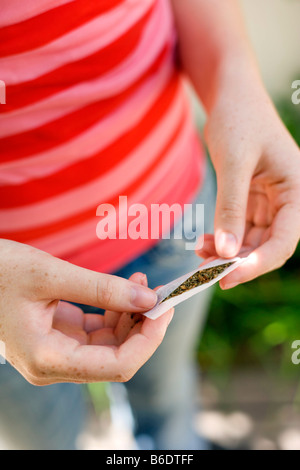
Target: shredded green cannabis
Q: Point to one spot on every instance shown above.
(199, 278)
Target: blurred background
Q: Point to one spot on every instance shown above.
(249, 387)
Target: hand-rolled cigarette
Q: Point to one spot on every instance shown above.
(191, 284)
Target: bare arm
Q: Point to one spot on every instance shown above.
(214, 47)
(256, 161)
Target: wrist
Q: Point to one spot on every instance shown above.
(235, 77)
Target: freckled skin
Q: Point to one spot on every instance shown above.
(49, 340)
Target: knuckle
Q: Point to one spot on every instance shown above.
(105, 293)
(231, 209)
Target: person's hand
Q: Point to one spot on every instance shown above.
(49, 341)
(257, 165)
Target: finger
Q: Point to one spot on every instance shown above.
(125, 325)
(135, 330)
(139, 278)
(93, 321)
(208, 250)
(273, 253)
(141, 345)
(255, 237)
(262, 215)
(259, 209)
(69, 319)
(74, 284)
(205, 243)
(206, 247)
(209, 253)
(104, 337)
(139, 325)
(127, 321)
(68, 316)
(62, 359)
(231, 207)
(67, 313)
(111, 318)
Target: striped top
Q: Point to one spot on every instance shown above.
(95, 108)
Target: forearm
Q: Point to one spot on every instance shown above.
(214, 50)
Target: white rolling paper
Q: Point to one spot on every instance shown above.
(164, 291)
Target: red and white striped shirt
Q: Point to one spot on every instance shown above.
(95, 108)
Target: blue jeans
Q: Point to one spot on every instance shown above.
(162, 394)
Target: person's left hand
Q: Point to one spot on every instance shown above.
(257, 165)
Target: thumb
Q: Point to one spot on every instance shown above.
(71, 283)
(231, 208)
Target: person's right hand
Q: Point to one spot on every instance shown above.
(49, 341)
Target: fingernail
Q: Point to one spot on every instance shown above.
(226, 244)
(144, 280)
(142, 297)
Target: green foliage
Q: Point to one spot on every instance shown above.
(255, 324)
